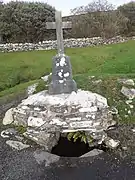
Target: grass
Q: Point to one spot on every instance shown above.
(20, 67)
(108, 63)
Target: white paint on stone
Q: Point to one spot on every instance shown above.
(61, 81)
(91, 130)
(57, 64)
(97, 123)
(58, 122)
(93, 116)
(8, 119)
(90, 109)
(62, 62)
(75, 119)
(17, 145)
(25, 107)
(37, 109)
(81, 124)
(66, 74)
(60, 74)
(35, 122)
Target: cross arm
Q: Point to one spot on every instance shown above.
(65, 25)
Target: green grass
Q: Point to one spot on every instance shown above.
(108, 62)
(20, 67)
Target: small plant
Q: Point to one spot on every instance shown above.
(21, 129)
(79, 135)
(41, 86)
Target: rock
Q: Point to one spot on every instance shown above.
(114, 111)
(94, 152)
(47, 158)
(47, 114)
(129, 101)
(129, 93)
(8, 119)
(133, 130)
(31, 89)
(8, 132)
(111, 143)
(97, 81)
(35, 122)
(46, 78)
(127, 81)
(17, 145)
(52, 44)
(48, 140)
(124, 148)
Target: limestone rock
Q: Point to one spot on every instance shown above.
(8, 119)
(94, 152)
(8, 132)
(111, 143)
(129, 93)
(48, 140)
(31, 89)
(35, 122)
(17, 145)
(46, 78)
(50, 115)
(127, 81)
(47, 158)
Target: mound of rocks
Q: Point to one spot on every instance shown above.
(47, 116)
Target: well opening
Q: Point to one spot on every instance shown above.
(66, 148)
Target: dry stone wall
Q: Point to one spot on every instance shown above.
(68, 43)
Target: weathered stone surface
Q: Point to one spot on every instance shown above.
(62, 81)
(111, 143)
(8, 119)
(45, 157)
(129, 93)
(48, 140)
(127, 81)
(46, 77)
(17, 145)
(49, 115)
(31, 89)
(8, 132)
(94, 152)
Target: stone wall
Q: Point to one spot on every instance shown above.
(47, 45)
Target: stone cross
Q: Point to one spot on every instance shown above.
(62, 81)
(59, 26)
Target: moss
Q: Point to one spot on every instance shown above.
(41, 86)
(21, 129)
